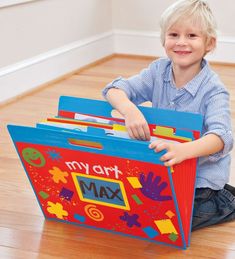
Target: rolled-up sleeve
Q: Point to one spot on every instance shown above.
(218, 122)
(138, 88)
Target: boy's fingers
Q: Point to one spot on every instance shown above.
(141, 134)
(135, 133)
(130, 133)
(146, 131)
(154, 144)
(161, 146)
(170, 162)
(166, 157)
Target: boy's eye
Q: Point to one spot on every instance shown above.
(173, 34)
(192, 35)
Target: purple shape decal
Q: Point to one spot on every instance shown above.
(66, 194)
(131, 220)
(152, 188)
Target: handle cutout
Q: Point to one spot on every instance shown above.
(85, 143)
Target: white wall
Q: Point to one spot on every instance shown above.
(44, 39)
(136, 24)
(144, 15)
(36, 27)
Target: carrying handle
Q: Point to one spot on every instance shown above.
(85, 143)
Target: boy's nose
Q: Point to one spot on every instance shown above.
(181, 41)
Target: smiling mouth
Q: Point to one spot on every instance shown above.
(182, 52)
(36, 161)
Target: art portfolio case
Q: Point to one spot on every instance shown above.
(84, 176)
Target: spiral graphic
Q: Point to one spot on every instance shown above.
(93, 213)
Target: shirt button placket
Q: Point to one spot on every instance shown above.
(172, 104)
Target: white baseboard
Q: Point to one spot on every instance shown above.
(138, 43)
(22, 77)
(6, 3)
(148, 43)
(28, 74)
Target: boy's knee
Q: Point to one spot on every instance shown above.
(212, 207)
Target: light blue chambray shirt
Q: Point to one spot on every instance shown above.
(204, 94)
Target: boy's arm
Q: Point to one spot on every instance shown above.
(135, 122)
(176, 153)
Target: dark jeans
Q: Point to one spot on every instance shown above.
(212, 207)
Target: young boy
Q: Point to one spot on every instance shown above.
(185, 82)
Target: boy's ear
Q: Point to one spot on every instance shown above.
(211, 44)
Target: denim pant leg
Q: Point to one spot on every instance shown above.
(212, 207)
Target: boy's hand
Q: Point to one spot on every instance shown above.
(175, 154)
(136, 124)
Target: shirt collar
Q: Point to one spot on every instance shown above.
(193, 85)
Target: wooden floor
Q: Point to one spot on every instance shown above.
(23, 231)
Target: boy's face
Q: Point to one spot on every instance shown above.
(186, 44)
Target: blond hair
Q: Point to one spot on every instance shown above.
(197, 11)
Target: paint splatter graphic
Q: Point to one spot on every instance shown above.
(58, 175)
(56, 209)
(55, 156)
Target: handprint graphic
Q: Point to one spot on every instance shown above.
(152, 187)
